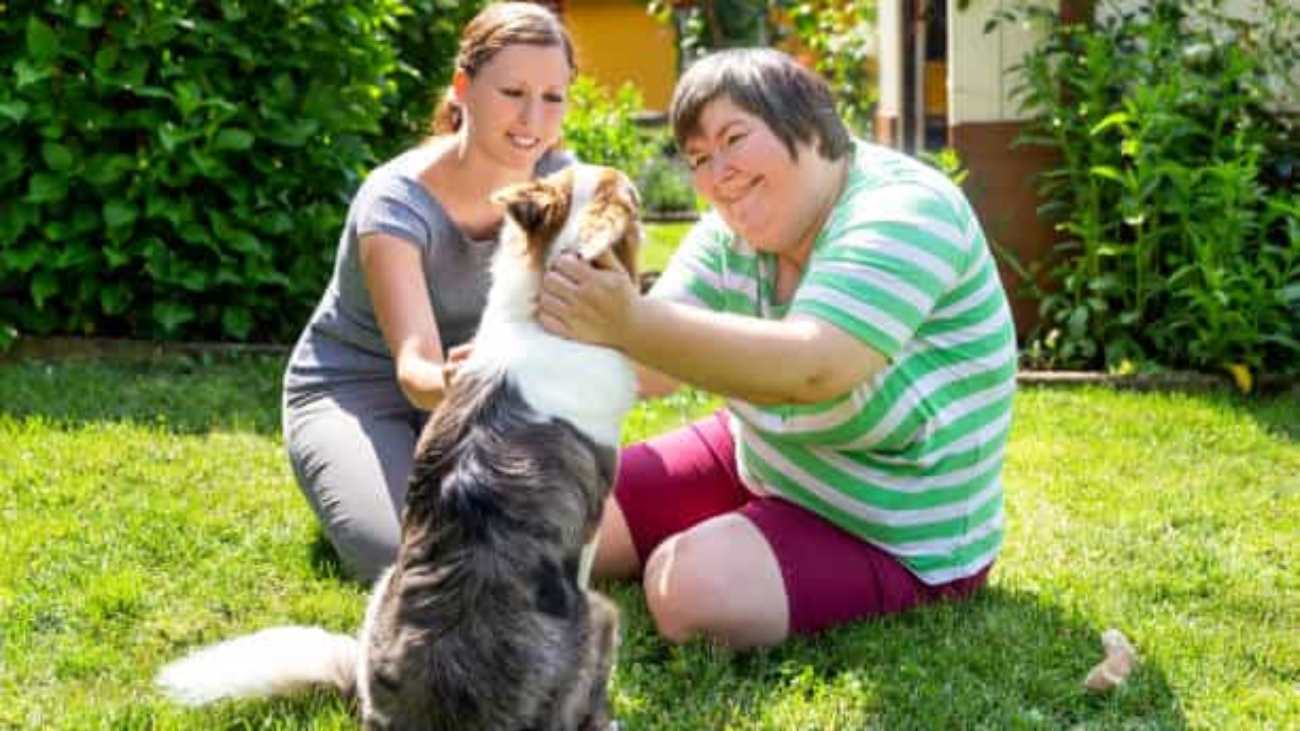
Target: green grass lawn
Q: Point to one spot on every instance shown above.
(661, 240)
(146, 509)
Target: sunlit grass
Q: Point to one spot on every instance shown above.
(146, 509)
(661, 240)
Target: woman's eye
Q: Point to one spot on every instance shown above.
(732, 140)
(554, 98)
(697, 161)
(513, 93)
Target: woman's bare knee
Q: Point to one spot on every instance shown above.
(719, 580)
(616, 556)
(674, 586)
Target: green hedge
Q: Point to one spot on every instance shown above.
(180, 169)
(425, 34)
(1175, 194)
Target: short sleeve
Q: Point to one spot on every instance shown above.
(884, 264)
(389, 204)
(694, 274)
(554, 161)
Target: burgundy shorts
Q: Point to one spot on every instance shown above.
(674, 481)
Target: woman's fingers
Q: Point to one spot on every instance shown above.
(563, 279)
(607, 262)
(571, 267)
(552, 324)
(580, 299)
(552, 311)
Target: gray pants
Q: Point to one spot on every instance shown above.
(351, 451)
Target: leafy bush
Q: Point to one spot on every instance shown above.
(666, 186)
(842, 38)
(1175, 195)
(181, 169)
(600, 126)
(835, 38)
(425, 34)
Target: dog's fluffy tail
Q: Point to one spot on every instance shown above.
(272, 662)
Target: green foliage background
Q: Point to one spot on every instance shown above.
(180, 169)
(1176, 193)
(835, 38)
(599, 126)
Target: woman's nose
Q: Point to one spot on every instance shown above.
(719, 165)
(531, 114)
(719, 168)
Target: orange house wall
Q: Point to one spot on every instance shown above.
(617, 42)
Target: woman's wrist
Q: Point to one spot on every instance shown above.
(638, 319)
(421, 380)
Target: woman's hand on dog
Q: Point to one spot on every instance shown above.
(592, 302)
(456, 358)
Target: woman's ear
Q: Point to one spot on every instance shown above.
(459, 85)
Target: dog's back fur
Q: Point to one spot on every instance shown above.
(482, 622)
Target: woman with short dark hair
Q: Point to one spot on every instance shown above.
(843, 299)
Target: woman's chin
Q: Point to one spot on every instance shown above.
(521, 158)
(756, 237)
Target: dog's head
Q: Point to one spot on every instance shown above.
(584, 208)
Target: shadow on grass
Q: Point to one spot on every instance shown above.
(324, 559)
(1005, 659)
(181, 394)
(1278, 413)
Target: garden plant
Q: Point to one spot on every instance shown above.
(180, 170)
(1175, 194)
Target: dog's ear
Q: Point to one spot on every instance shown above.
(622, 239)
(628, 249)
(616, 225)
(525, 203)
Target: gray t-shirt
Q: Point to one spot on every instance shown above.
(342, 343)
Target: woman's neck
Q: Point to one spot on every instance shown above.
(463, 180)
(836, 175)
(477, 175)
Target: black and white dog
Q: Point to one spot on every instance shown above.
(485, 621)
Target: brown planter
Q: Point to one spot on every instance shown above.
(1002, 186)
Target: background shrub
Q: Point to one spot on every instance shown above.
(835, 38)
(181, 169)
(1176, 194)
(839, 41)
(425, 34)
(600, 126)
(665, 185)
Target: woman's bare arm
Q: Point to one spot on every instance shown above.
(395, 280)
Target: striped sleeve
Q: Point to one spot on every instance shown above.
(886, 263)
(694, 274)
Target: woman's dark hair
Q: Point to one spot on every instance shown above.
(498, 26)
(790, 99)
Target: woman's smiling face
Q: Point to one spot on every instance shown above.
(746, 173)
(515, 104)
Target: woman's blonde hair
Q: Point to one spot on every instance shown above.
(496, 27)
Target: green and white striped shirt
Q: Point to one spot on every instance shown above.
(911, 460)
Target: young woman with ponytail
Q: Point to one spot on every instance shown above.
(411, 277)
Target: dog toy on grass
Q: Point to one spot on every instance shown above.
(1120, 660)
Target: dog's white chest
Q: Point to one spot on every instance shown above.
(591, 387)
